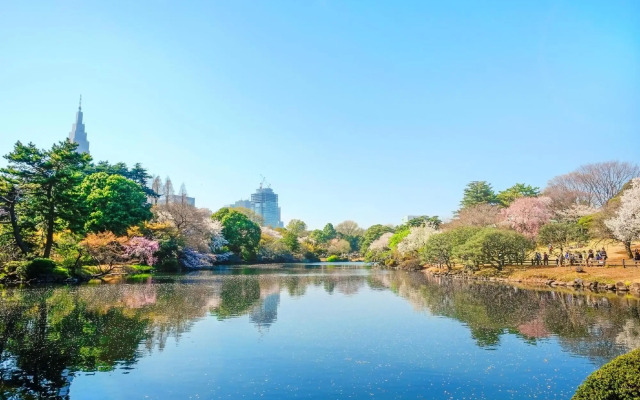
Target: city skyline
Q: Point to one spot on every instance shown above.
(358, 112)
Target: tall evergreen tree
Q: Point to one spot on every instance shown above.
(478, 192)
(49, 178)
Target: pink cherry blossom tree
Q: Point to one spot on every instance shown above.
(526, 215)
(142, 249)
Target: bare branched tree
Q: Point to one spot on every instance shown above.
(480, 215)
(168, 191)
(158, 189)
(592, 184)
(194, 225)
(183, 194)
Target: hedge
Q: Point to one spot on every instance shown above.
(619, 379)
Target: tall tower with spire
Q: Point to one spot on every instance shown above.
(78, 134)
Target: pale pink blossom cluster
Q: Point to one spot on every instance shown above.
(142, 249)
(265, 230)
(526, 215)
(381, 243)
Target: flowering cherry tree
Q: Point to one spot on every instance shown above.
(265, 230)
(416, 239)
(625, 225)
(217, 239)
(381, 244)
(338, 247)
(142, 249)
(194, 259)
(527, 214)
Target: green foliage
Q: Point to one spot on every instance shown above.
(250, 214)
(373, 233)
(441, 248)
(397, 237)
(334, 258)
(507, 196)
(71, 254)
(9, 269)
(560, 234)
(586, 225)
(113, 203)
(167, 254)
(34, 269)
(237, 296)
(290, 239)
(478, 192)
(617, 380)
(495, 247)
(318, 236)
(242, 234)
(329, 232)
(138, 174)
(434, 221)
(49, 178)
(139, 269)
(297, 227)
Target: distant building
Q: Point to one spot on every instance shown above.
(408, 218)
(176, 198)
(78, 134)
(264, 202)
(241, 203)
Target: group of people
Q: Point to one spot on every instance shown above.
(539, 259)
(577, 258)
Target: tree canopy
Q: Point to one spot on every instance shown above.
(113, 203)
(242, 234)
(478, 192)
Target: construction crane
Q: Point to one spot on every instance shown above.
(263, 182)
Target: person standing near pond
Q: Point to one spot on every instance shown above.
(545, 258)
(590, 258)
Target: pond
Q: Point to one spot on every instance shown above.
(307, 331)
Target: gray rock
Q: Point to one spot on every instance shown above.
(621, 287)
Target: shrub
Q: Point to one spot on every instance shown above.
(618, 379)
(35, 268)
(333, 258)
(11, 267)
(60, 274)
(410, 265)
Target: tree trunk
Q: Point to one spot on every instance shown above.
(50, 222)
(17, 235)
(627, 248)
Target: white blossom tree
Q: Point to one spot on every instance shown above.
(265, 230)
(625, 225)
(338, 247)
(381, 243)
(416, 239)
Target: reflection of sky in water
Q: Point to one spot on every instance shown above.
(347, 333)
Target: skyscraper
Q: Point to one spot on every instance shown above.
(264, 202)
(78, 134)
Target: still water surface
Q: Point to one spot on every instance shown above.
(306, 331)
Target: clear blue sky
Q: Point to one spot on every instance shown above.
(360, 110)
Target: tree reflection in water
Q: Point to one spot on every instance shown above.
(47, 335)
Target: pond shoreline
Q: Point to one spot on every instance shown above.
(589, 282)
